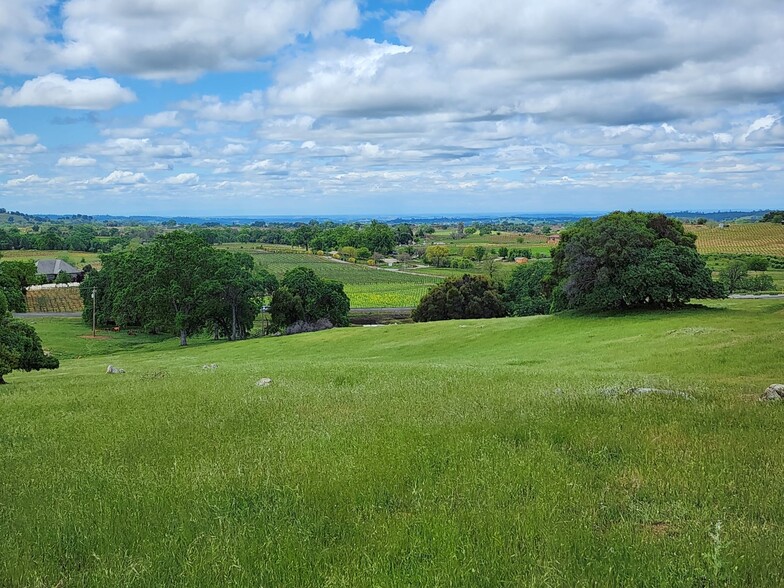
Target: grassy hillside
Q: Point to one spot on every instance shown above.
(471, 453)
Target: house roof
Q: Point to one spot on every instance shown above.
(54, 266)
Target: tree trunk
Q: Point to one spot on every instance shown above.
(2, 381)
(183, 337)
(233, 322)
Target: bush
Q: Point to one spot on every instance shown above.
(460, 298)
(757, 263)
(305, 297)
(760, 283)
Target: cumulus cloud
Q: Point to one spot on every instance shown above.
(182, 179)
(248, 108)
(57, 91)
(123, 177)
(76, 161)
(31, 179)
(167, 118)
(184, 38)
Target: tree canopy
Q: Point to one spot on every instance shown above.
(460, 298)
(20, 346)
(303, 296)
(629, 259)
(177, 283)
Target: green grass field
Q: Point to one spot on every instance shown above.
(469, 453)
(75, 258)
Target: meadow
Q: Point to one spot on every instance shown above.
(466, 453)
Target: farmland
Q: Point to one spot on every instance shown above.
(470, 453)
(365, 286)
(65, 299)
(750, 238)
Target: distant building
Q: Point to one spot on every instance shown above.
(51, 268)
(521, 260)
(553, 239)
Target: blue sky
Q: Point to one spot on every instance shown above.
(243, 107)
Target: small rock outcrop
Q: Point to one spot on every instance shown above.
(773, 392)
(114, 370)
(264, 382)
(210, 366)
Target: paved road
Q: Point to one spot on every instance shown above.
(757, 296)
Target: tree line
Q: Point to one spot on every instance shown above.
(181, 284)
(620, 261)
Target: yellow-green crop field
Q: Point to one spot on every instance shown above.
(751, 238)
(366, 287)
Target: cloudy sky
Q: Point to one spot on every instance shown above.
(262, 107)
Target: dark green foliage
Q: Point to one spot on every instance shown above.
(14, 277)
(759, 283)
(757, 263)
(527, 292)
(303, 296)
(629, 259)
(733, 276)
(20, 346)
(460, 298)
(62, 278)
(178, 283)
(774, 216)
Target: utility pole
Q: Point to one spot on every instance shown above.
(93, 296)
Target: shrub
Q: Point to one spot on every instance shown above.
(527, 292)
(460, 298)
(757, 263)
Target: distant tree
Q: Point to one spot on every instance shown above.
(528, 290)
(62, 278)
(469, 252)
(303, 296)
(20, 346)
(629, 259)
(379, 237)
(702, 221)
(503, 251)
(757, 263)
(460, 298)
(773, 216)
(437, 255)
(733, 276)
(403, 234)
(480, 252)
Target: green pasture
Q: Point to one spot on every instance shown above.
(500, 452)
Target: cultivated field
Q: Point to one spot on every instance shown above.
(468, 453)
(365, 286)
(752, 238)
(54, 300)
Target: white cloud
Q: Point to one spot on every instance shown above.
(234, 149)
(182, 179)
(167, 118)
(184, 38)
(57, 91)
(31, 179)
(76, 161)
(124, 178)
(248, 108)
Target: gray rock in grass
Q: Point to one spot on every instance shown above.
(773, 392)
(646, 391)
(114, 370)
(264, 382)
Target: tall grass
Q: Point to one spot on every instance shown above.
(471, 453)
